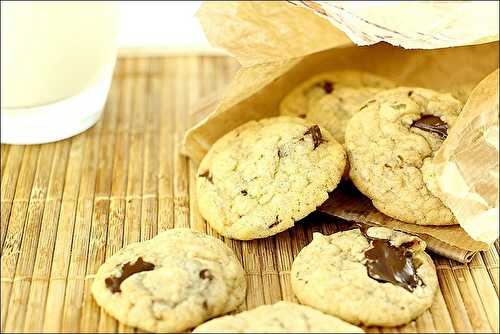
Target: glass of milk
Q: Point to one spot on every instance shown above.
(57, 64)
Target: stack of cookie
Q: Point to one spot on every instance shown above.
(263, 177)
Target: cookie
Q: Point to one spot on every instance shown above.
(173, 282)
(330, 99)
(391, 144)
(260, 178)
(371, 276)
(279, 317)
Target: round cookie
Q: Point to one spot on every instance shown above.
(330, 99)
(391, 144)
(260, 178)
(173, 282)
(279, 317)
(375, 277)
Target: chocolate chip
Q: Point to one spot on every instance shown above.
(315, 132)
(275, 223)
(207, 175)
(410, 93)
(206, 274)
(432, 124)
(302, 116)
(244, 192)
(205, 305)
(128, 269)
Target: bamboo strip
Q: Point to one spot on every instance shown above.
(64, 237)
(13, 238)
(470, 297)
(284, 262)
(451, 295)
(270, 276)
(4, 154)
(83, 223)
(251, 263)
(425, 324)
(8, 186)
(181, 187)
(490, 258)
(181, 169)
(164, 89)
(486, 291)
(440, 314)
(30, 234)
(90, 316)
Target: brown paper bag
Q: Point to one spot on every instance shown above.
(279, 44)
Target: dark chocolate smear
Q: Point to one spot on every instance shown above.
(388, 263)
(432, 124)
(315, 132)
(128, 269)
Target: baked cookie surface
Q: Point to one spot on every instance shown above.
(330, 99)
(374, 276)
(391, 144)
(260, 178)
(172, 283)
(279, 317)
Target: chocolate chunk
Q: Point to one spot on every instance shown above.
(207, 176)
(432, 124)
(275, 223)
(315, 132)
(388, 263)
(128, 269)
(206, 274)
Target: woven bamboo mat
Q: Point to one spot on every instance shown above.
(68, 206)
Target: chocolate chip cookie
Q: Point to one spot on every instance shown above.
(371, 276)
(279, 317)
(330, 99)
(173, 282)
(391, 144)
(260, 178)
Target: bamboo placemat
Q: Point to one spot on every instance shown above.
(69, 205)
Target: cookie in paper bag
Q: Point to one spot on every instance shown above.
(391, 144)
(330, 99)
(263, 176)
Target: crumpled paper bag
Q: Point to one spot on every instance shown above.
(279, 44)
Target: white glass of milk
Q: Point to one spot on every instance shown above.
(57, 64)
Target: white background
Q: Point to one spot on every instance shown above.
(169, 25)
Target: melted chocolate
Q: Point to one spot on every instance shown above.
(388, 263)
(128, 269)
(432, 124)
(315, 132)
